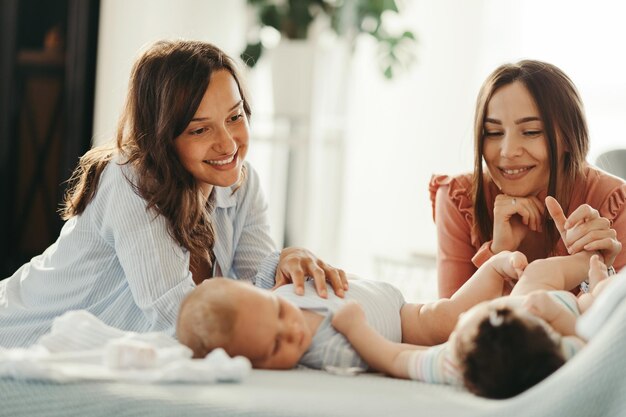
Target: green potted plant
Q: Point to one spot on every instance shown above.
(347, 18)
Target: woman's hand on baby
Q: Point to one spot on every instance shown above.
(348, 317)
(297, 265)
(513, 218)
(586, 230)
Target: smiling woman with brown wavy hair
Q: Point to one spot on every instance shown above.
(531, 141)
(172, 203)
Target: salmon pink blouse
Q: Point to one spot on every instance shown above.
(460, 250)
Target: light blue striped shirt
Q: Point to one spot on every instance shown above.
(118, 261)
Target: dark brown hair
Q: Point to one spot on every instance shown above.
(561, 111)
(166, 87)
(507, 359)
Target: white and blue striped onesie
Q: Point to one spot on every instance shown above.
(380, 301)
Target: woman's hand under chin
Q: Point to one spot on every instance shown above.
(298, 264)
(513, 218)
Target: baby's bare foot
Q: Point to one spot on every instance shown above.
(597, 271)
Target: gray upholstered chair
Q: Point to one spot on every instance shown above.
(613, 161)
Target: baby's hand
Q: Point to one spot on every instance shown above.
(348, 317)
(511, 266)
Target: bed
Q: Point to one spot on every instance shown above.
(591, 384)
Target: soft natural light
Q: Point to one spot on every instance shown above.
(358, 193)
(401, 132)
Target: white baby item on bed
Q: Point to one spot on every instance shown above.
(81, 347)
(129, 354)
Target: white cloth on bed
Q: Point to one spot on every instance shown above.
(82, 347)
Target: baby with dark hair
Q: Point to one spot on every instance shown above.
(498, 348)
(510, 350)
(508, 354)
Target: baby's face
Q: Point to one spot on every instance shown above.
(269, 330)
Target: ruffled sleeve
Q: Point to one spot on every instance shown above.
(457, 241)
(614, 205)
(614, 209)
(607, 194)
(458, 193)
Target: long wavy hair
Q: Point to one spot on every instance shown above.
(563, 116)
(166, 87)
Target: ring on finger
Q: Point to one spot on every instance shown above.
(513, 201)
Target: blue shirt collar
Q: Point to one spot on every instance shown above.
(224, 197)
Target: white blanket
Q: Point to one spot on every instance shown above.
(81, 347)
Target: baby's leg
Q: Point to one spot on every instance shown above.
(556, 273)
(597, 281)
(597, 272)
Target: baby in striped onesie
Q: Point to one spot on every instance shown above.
(498, 348)
(278, 330)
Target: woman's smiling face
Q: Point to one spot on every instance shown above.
(213, 146)
(515, 145)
